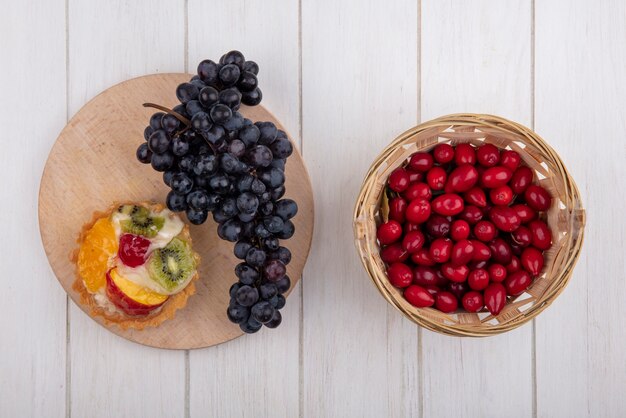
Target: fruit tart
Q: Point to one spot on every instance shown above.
(135, 265)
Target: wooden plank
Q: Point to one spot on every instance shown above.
(580, 103)
(476, 57)
(359, 91)
(255, 375)
(108, 43)
(32, 112)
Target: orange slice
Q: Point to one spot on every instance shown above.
(97, 248)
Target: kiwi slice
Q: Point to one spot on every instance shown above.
(141, 221)
(172, 266)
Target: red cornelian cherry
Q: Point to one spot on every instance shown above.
(478, 279)
(500, 251)
(417, 191)
(422, 258)
(532, 261)
(398, 180)
(421, 161)
(497, 272)
(436, 178)
(418, 296)
(495, 177)
(525, 212)
(517, 282)
(414, 176)
(462, 178)
(394, 253)
(472, 301)
(501, 196)
(510, 159)
(458, 289)
(400, 275)
(514, 265)
(481, 251)
(475, 265)
(542, 237)
(476, 196)
(413, 241)
(448, 204)
(389, 232)
(440, 250)
(537, 197)
(438, 226)
(459, 230)
(495, 298)
(488, 155)
(132, 249)
(397, 209)
(455, 273)
(516, 249)
(425, 276)
(471, 214)
(433, 290)
(485, 231)
(504, 218)
(522, 236)
(446, 302)
(521, 179)
(443, 153)
(418, 211)
(464, 154)
(410, 226)
(462, 252)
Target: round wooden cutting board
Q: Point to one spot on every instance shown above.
(93, 164)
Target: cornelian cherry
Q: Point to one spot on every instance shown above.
(504, 218)
(448, 204)
(478, 279)
(485, 231)
(389, 232)
(398, 180)
(521, 179)
(495, 177)
(394, 253)
(462, 252)
(418, 296)
(542, 237)
(464, 154)
(438, 226)
(417, 191)
(462, 178)
(440, 250)
(476, 196)
(488, 155)
(517, 282)
(532, 261)
(472, 301)
(436, 178)
(525, 212)
(446, 302)
(497, 272)
(522, 236)
(400, 275)
(413, 241)
(421, 161)
(458, 289)
(510, 159)
(443, 153)
(397, 209)
(495, 298)
(537, 197)
(459, 230)
(454, 273)
(501, 196)
(481, 251)
(421, 257)
(418, 211)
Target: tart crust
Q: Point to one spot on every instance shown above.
(153, 319)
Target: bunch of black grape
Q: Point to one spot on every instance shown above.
(215, 160)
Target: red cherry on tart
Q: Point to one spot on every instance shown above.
(468, 232)
(133, 249)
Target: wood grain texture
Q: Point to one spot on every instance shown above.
(359, 62)
(109, 42)
(255, 375)
(32, 347)
(581, 109)
(93, 164)
(476, 57)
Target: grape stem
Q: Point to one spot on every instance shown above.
(170, 111)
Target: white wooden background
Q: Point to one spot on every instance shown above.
(345, 77)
